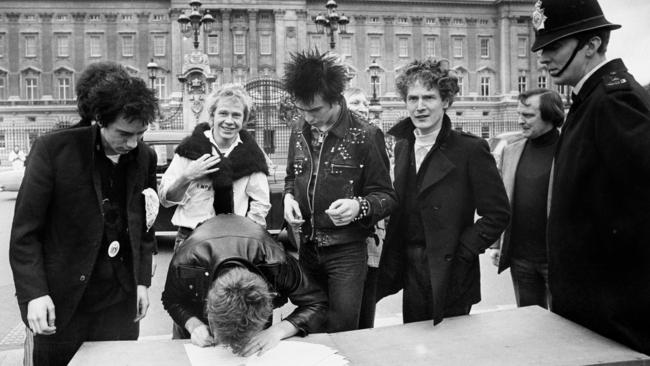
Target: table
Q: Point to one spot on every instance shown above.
(523, 336)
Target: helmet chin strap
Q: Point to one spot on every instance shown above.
(581, 43)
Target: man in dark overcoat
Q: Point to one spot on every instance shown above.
(81, 247)
(442, 177)
(599, 223)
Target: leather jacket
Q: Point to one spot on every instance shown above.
(351, 165)
(234, 240)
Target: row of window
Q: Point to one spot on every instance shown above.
(63, 86)
(96, 17)
(428, 21)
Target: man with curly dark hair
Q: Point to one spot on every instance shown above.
(442, 177)
(337, 185)
(81, 243)
(92, 75)
(225, 280)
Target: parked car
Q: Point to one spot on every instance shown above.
(164, 143)
(11, 179)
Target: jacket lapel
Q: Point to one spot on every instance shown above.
(511, 155)
(438, 166)
(134, 169)
(97, 180)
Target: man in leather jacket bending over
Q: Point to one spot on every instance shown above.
(225, 280)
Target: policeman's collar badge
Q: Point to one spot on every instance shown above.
(538, 16)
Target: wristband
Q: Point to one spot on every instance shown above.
(364, 208)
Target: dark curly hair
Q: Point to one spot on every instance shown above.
(88, 79)
(432, 74)
(122, 95)
(311, 73)
(239, 305)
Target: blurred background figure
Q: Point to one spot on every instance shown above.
(357, 102)
(17, 158)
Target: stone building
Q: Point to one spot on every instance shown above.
(44, 45)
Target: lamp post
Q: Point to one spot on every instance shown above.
(192, 23)
(152, 68)
(332, 21)
(375, 107)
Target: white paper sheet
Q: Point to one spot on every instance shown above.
(286, 353)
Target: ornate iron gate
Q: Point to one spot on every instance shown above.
(268, 125)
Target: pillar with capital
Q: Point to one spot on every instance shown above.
(279, 39)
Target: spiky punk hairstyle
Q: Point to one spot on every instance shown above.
(89, 78)
(432, 74)
(238, 306)
(311, 73)
(123, 95)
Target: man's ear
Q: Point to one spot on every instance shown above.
(592, 46)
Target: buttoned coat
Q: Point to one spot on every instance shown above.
(599, 223)
(58, 221)
(460, 178)
(509, 162)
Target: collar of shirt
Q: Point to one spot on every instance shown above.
(576, 89)
(426, 141)
(226, 152)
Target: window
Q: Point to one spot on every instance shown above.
(63, 45)
(3, 86)
(485, 86)
(62, 17)
(375, 46)
(541, 82)
(213, 44)
(239, 44)
(265, 44)
(483, 22)
(430, 47)
(158, 17)
(2, 44)
(430, 21)
(30, 17)
(403, 47)
(373, 20)
(30, 45)
(160, 86)
(127, 17)
(94, 17)
(239, 77)
(3, 140)
(159, 45)
(522, 83)
(403, 20)
(265, 17)
(561, 89)
(64, 87)
(485, 47)
(128, 45)
(522, 46)
(31, 88)
(95, 45)
(457, 21)
(346, 46)
(458, 47)
(461, 84)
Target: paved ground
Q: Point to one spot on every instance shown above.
(497, 294)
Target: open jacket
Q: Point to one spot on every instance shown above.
(460, 178)
(229, 239)
(58, 220)
(351, 165)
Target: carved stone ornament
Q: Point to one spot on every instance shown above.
(538, 16)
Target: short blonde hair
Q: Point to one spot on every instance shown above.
(230, 91)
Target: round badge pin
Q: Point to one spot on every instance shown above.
(113, 248)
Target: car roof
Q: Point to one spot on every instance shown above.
(164, 136)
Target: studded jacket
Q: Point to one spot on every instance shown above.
(351, 165)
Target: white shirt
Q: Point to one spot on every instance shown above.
(422, 145)
(581, 83)
(196, 205)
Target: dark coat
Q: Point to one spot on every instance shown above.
(58, 221)
(460, 177)
(599, 223)
(352, 164)
(231, 239)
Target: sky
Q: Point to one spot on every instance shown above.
(632, 41)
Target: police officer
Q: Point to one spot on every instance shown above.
(599, 223)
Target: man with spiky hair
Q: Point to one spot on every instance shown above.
(337, 185)
(81, 243)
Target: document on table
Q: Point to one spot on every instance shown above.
(286, 353)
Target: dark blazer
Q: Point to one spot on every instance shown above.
(461, 177)
(599, 223)
(58, 223)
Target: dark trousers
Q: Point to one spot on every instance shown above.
(114, 323)
(368, 301)
(341, 269)
(530, 281)
(417, 300)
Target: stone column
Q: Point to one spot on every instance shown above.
(145, 47)
(445, 52)
(279, 41)
(417, 38)
(253, 49)
(390, 55)
(360, 53)
(78, 43)
(47, 60)
(504, 65)
(473, 53)
(227, 45)
(112, 41)
(13, 38)
(177, 50)
(302, 29)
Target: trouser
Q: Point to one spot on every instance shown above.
(417, 300)
(368, 300)
(530, 281)
(114, 323)
(341, 270)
